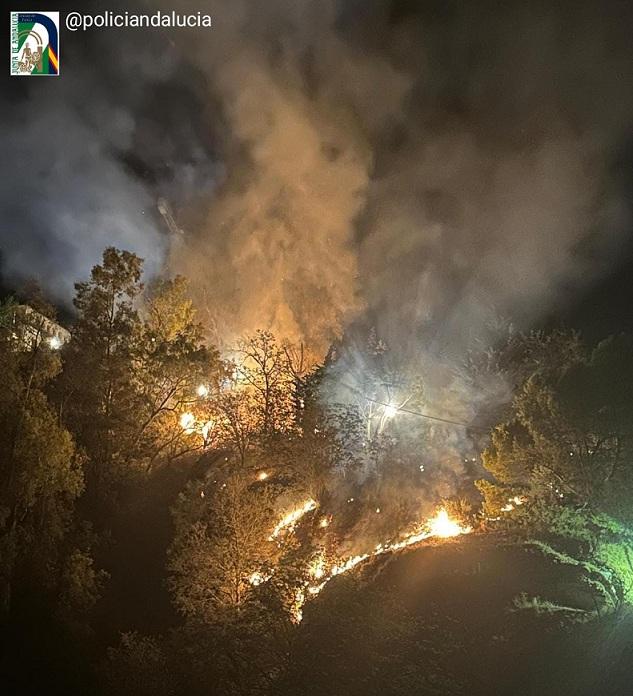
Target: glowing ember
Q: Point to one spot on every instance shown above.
(441, 526)
(296, 611)
(202, 390)
(257, 579)
(317, 568)
(513, 502)
(289, 520)
(262, 476)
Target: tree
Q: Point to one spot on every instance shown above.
(264, 367)
(257, 403)
(326, 442)
(100, 402)
(496, 373)
(138, 666)
(568, 438)
(560, 468)
(235, 585)
(41, 468)
(175, 373)
(222, 538)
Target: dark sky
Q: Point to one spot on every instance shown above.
(443, 113)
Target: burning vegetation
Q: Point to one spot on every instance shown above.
(314, 441)
(285, 475)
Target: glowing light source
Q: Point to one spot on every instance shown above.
(202, 390)
(262, 476)
(390, 411)
(514, 502)
(348, 564)
(187, 421)
(258, 578)
(55, 343)
(443, 526)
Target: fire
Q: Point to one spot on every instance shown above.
(317, 568)
(290, 519)
(439, 526)
(297, 608)
(443, 526)
(347, 565)
(513, 502)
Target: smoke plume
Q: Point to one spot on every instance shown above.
(328, 169)
(434, 167)
(421, 168)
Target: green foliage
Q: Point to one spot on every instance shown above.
(559, 482)
(565, 452)
(538, 605)
(99, 401)
(40, 467)
(128, 378)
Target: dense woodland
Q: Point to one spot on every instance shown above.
(143, 471)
